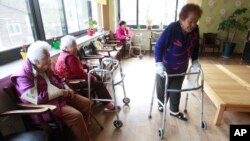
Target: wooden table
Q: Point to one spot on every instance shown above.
(228, 87)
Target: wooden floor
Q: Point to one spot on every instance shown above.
(138, 127)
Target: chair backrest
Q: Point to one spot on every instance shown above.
(87, 50)
(155, 36)
(137, 39)
(209, 38)
(109, 36)
(10, 89)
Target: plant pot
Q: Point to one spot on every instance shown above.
(228, 49)
(149, 27)
(90, 32)
(56, 44)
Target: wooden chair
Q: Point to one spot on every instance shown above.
(36, 131)
(154, 37)
(91, 59)
(211, 41)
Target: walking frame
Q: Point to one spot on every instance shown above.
(199, 86)
(115, 64)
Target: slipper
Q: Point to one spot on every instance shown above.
(180, 116)
(160, 108)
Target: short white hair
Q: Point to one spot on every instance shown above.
(36, 51)
(67, 41)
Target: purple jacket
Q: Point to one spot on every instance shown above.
(23, 79)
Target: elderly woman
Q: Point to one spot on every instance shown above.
(178, 43)
(122, 32)
(70, 67)
(36, 83)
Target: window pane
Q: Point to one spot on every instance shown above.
(52, 16)
(83, 14)
(76, 14)
(15, 23)
(71, 15)
(128, 11)
(94, 10)
(159, 11)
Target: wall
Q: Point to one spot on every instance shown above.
(214, 11)
(113, 12)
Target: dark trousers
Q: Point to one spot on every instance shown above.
(173, 83)
(100, 89)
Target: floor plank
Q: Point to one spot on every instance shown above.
(138, 127)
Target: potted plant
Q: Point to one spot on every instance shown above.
(235, 22)
(91, 30)
(55, 43)
(149, 23)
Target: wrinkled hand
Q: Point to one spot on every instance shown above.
(67, 92)
(94, 78)
(127, 38)
(160, 69)
(196, 64)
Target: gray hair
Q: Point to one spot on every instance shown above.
(36, 51)
(67, 41)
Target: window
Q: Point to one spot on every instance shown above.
(53, 18)
(158, 11)
(162, 11)
(94, 10)
(25, 21)
(14, 29)
(76, 14)
(83, 14)
(128, 11)
(15, 23)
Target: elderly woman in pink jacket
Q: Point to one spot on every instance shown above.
(37, 84)
(122, 32)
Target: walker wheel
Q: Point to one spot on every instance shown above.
(140, 56)
(185, 111)
(204, 125)
(118, 123)
(150, 116)
(161, 133)
(126, 100)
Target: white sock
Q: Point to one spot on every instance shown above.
(174, 113)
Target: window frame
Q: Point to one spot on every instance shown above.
(38, 31)
(137, 16)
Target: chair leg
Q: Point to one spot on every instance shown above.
(150, 50)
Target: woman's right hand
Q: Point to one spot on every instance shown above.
(66, 93)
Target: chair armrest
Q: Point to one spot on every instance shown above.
(23, 112)
(109, 45)
(76, 81)
(40, 106)
(105, 50)
(113, 41)
(93, 57)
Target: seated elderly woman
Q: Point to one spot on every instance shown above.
(36, 83)
(121, 32)
(70, 67)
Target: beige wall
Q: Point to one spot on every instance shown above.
(214, 11)
(195, 1)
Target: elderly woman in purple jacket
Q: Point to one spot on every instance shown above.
(37, 84)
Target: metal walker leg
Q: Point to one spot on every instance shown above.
(200, 86)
